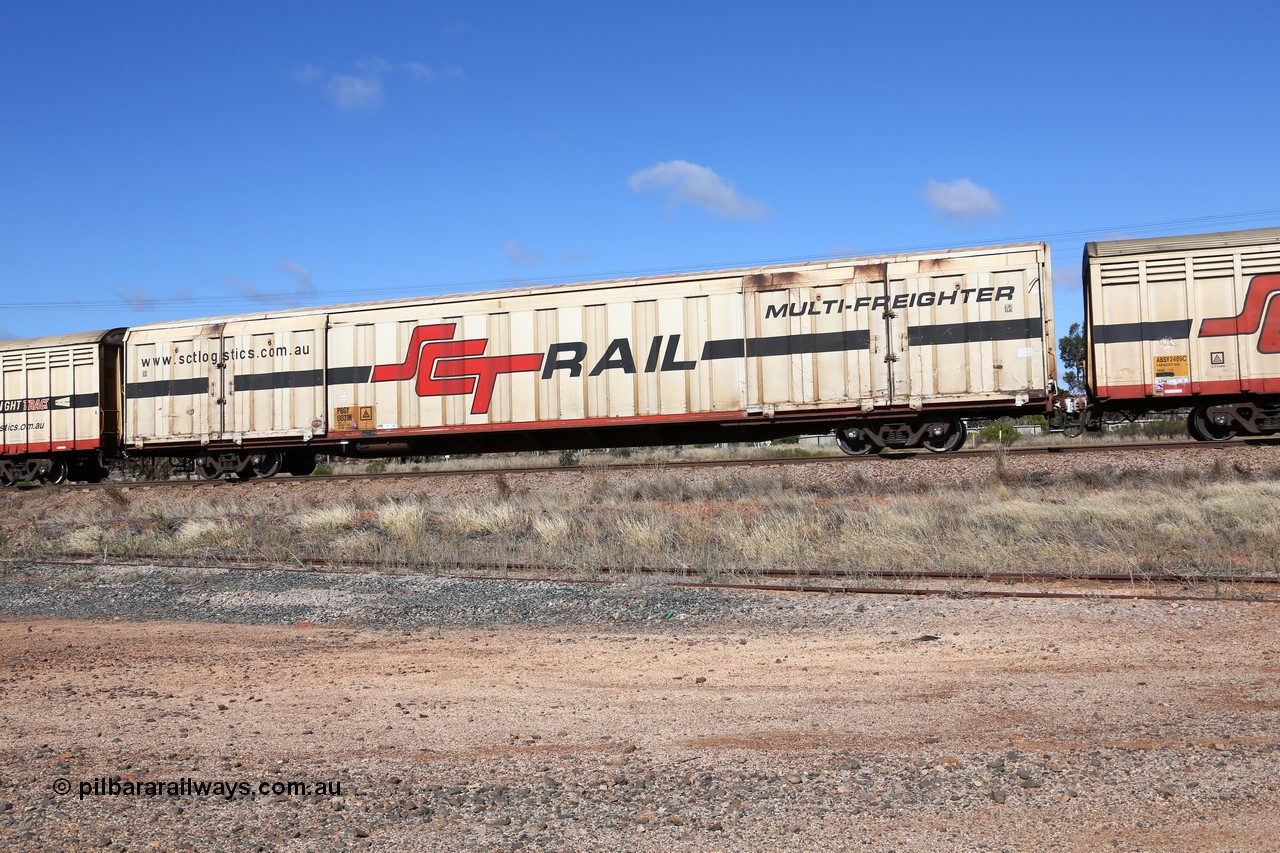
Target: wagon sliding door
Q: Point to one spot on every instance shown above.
(974, 334)
(813, 340)
(173, 379)
(274, 377)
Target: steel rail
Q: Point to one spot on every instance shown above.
(461, 571)
(889, 457)
(321, 564)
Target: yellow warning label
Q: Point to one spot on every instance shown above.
(1168, 367)
(1172, 372)
(344, 418)
(353, 417)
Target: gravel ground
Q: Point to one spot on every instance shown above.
(497, 715)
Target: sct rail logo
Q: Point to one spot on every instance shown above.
(1259, 311)
(445, 367)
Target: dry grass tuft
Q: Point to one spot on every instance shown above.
(1212, 519)
(329, 519)
(406, 522)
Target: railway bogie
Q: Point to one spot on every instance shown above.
(245, 465)
(53, 470)
(940, 434)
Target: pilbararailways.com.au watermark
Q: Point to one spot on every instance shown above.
(227, 789)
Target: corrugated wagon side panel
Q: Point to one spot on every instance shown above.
(947, 329)
(1218, 290)
(727, 377)
(88, 398)
(810, 339)
(61, 420)
(1174, 319)
(172, 384)
(51, 394)
(1259, 312)
(673, 376)
(974, 329)
(538, 359)
(15, 417)
(274, 377)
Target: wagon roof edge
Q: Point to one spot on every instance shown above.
(519, 289)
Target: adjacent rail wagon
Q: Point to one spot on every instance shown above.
(59, 407)
(1187, 322)
(889, 351)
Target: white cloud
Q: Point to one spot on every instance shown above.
(961, 198)
(363, 91)
(522, 257)
(423, 73)
(298, 273)
(682, 182)
(353, 94)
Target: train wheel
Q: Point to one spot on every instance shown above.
(7, 477)
(854, 441)
(268, 464)
(952, 438)
(205, 467)
(1192, 429)
(1202, 427)
(57, 473)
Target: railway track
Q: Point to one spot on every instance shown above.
(1085, 449)
(1099, 586)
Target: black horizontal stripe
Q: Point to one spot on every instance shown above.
(1126, 333)
(302, 378)
(854, 339)
(786, 345)
(1020, 329)
(248, 382)
(726, 348)
(280, 379)
(1024, 328)
(349, 375)
(167, 388)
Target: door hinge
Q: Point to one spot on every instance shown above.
(890, 357)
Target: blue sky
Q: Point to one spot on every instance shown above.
(169, 160)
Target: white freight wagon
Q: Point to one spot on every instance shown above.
(59, 407)
(890, 351)
(1187, 322)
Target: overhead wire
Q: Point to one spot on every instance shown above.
(273, 300)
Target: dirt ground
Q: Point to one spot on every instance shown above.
(937, 725)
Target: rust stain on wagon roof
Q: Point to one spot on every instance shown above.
(870, 272)
(936, 264)
(823, 277)
(771, 281)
